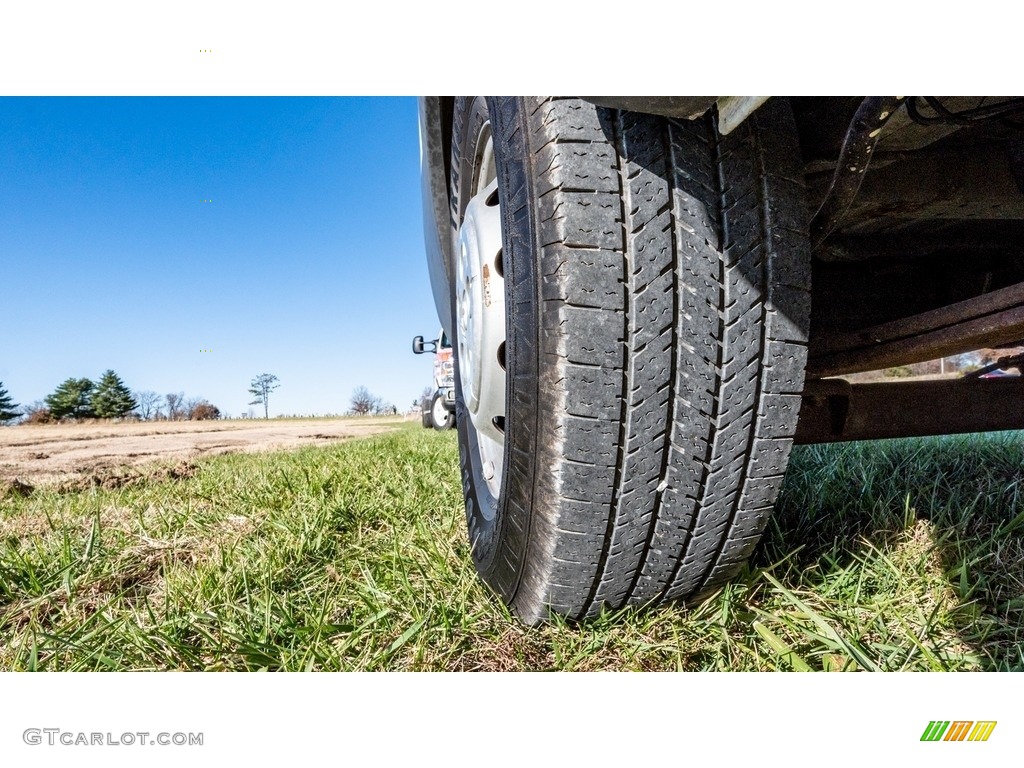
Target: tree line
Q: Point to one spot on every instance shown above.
(107, 398)
(110, 398)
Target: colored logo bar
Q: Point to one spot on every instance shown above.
(958, 730)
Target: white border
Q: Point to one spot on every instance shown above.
(515, 719)
(127, 47)
(133, 48)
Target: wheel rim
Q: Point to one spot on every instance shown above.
(480, 315)
(440, 413)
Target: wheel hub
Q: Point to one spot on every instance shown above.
(440, 413)
(480, 314)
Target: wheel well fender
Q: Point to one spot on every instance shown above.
(435, 118)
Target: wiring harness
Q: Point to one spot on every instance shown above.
(941, 115)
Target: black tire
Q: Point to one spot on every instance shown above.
(657, 289)
(428, 423)
(437, 420)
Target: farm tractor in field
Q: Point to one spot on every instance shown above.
(438, 411)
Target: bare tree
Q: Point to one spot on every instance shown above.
(36, 413)
(149, 404)
(425, 397)
(363, 402)
(175, 400)
(260, 388)
(189, 405)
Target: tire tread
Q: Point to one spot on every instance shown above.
(671, 288)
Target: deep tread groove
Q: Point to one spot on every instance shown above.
(617, 491)
(763, 327)
(666, 436)
(716, 402)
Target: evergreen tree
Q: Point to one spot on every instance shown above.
(8, 408)
(71, 399)
(111, 398)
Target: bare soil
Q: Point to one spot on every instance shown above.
(73, 455)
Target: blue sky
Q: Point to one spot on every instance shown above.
(307, 264)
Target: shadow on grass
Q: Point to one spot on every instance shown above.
(955, 501)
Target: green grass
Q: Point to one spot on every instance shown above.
(895, 555)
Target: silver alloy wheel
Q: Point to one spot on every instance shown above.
(480, 315)
(438, 412)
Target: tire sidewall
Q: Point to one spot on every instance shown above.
(498, 529)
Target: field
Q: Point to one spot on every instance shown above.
(899, 555)
(77, 455)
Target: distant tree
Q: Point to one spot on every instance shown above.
(260, 388)
(149, 404)
(203, 410)
(189, 405)
(111, 399)
(8, 408)
(174, 401)
(363, 402)
(425, 397)
(37, 413)
(981, 357)
(71, 398)
(899, 372)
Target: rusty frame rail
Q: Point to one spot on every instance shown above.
(986, 321)
(834, 410)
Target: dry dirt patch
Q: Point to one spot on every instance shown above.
(72, 454)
